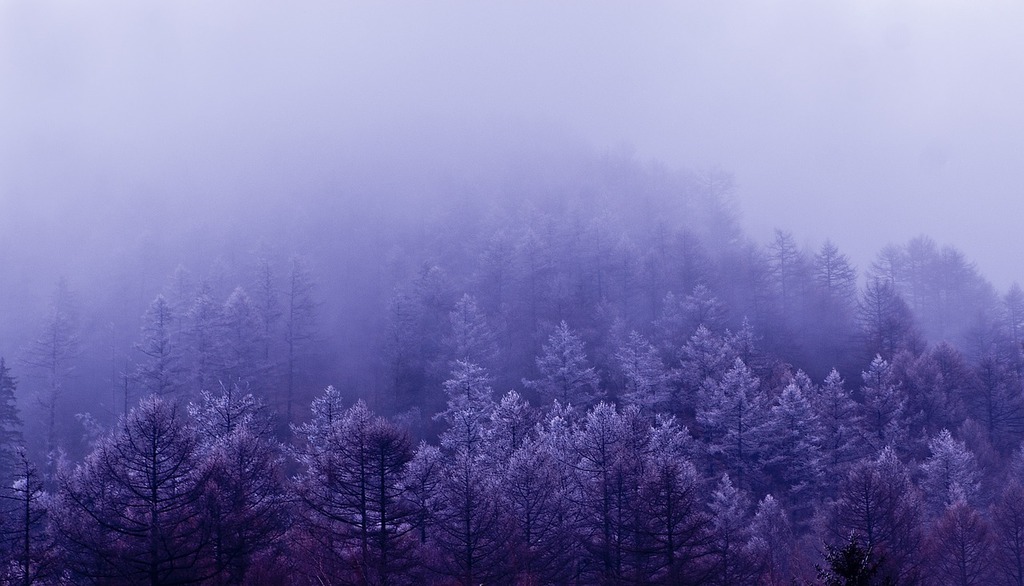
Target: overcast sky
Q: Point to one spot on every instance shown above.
(866, 121)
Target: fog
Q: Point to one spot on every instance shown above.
(130, 123)
(619, 211)
(826, 113)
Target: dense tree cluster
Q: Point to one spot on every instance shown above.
(589, 389)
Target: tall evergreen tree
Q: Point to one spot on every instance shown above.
(11, 440)
(565, 373)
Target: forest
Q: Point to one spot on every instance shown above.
(582, 372)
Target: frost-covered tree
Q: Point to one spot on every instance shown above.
(540, 511)
(267, 300)
(245, 506)
(470, 405)
(880, 506)
(838, 420)
(950, 473)
(160, 371)
(883, 408)
(300, 325)
(202, 335)
(734, 559)
(352, 491)
(730, 414)
(1007, 516)
(773, 541)
(677, 530)
(511, 426)
(471, 338)
(132, 512)
(644, 374)
(26, 544)
(607, 466)
(565, 374)
(215, 416)
(791, 456)
(887, 324)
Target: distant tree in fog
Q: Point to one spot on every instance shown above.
(11, 440)
(887, 324)
(300, 325)
(240, 344)
(471, 338)
(53, 355)
(160, 371)
(565, 373)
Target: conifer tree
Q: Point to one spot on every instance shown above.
(565, 374)
(950, 473)
(730, 415)
(10, 425)
(160, 370)
(791, 455)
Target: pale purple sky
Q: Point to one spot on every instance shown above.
(866, 121)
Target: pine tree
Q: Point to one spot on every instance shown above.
(883, 409)
(471, 339)
(730, 415)
(565, 374)
(11, 440)
(731, 547)
(960, 547)
(791, 455)
(838, 419)
(132, 511)
(53, 356)
(644, 374)
(950, 473)
(240, 349)
(299, 326)
(160, 371)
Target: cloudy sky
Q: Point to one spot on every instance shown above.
(866, 121)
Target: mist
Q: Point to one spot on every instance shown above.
(370, 206)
